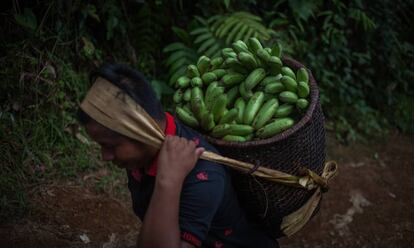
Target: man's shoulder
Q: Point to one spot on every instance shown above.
(209, 171)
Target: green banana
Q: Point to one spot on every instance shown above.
(232, 95)
(254, 78)
(234, 64)
(212, 95)
(197, 93)
(229, 117)
(302, 103)
(275, 65)
(227, 50)
(220, 130)
(289, 83)
(254, 44)
(240, 105)
(203, 64)
(274, 88)
(187, 108)
(286, 71)
(232, 79)
(239, 46)
(186, 117)
(231, 129)
(271, 79)
(303, 89)
(288, 97)
(198, 107)
(247, 60)
(209, 90)
(196, 82)
(187, 95)
(239, 129)
(283, 110)
(192, 71)
(269, 50)
(266, 113)
(228, 53)
(219, 73)
(207, 121)
(209, 77)
(263, 54)
(178, 96)
(275, 127)
(219, 107)
(246, 94)
(216, 62)
(253, 107)
(183, 82)
(197, 102)
(302, 75)
(277, 50)
(249, 137)
(234, 138)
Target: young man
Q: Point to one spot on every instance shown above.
(181, 200)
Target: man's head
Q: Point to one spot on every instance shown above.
(121, 150)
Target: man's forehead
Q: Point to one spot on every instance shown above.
(99, 132)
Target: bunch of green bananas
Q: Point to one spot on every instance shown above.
(246, 93)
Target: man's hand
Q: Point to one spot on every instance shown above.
(177, 158)
(160, 227)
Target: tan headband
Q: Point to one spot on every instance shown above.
(106, 104)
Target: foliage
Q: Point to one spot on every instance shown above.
(210, 36)
(46, 57)
(339, 42)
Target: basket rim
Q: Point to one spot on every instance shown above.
(314, 97)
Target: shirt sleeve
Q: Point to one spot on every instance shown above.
(201, 196)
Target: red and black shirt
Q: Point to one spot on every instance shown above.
(210, 214)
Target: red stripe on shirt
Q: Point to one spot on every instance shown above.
(190, 238)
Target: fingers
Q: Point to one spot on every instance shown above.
(199, 151)
(179, 141)
(183, 145)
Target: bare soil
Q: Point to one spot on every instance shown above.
(369, 204)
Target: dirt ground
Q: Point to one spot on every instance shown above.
(369, 204)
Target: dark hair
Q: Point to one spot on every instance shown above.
(131, 82)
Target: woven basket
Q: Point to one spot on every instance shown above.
(303, 145)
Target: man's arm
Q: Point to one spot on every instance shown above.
(160, 227)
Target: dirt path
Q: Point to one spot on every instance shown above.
(370, 204)
(68, 216)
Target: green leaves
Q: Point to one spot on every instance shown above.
(362, 19)
(148, 29)
(27, 19)
(179, 57)
(240, 25)
(210, 36)
(161, 88)
(303, 9)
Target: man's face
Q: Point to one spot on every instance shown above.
(122, 151)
